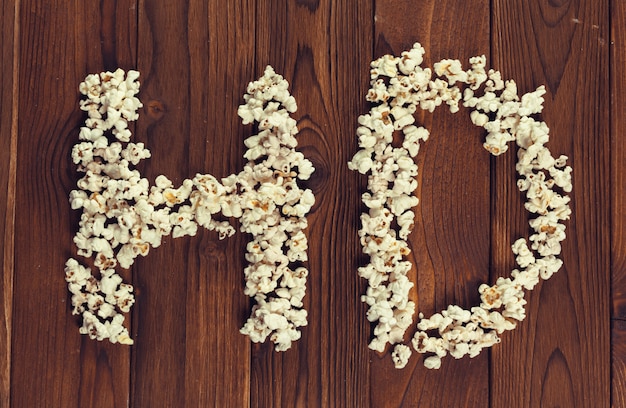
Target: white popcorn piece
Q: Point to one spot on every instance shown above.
(524, 256)
(123, 216)
(452, 70)
(399, 86)
(400, 356)
(432, 362)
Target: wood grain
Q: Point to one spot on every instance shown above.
(8, 163)
(159, 316)
(57, 368)
(192, 305)
(618, 351)
(196, 58)
(618, 204)
(317, 45)
(221, 374)
(450, 243)
(550, 357)
(618, 160)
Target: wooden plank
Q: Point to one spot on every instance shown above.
(8, 149)
(618, 203)
(450, 242)
(618, 160)
(161, 278)
(321, 48)
(221, 43)
(559, 355)
(191, 302)
(53, 365)
(618, 359)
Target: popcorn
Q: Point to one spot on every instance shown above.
(432, 362)
(524, 256)
(401, 354)
(398, 87)
(123, 216)
(452, 70)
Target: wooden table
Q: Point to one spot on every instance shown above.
(195, 59)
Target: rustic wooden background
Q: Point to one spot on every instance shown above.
(196, 58)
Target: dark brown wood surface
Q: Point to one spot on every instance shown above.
(618, 203)
(196, 58)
